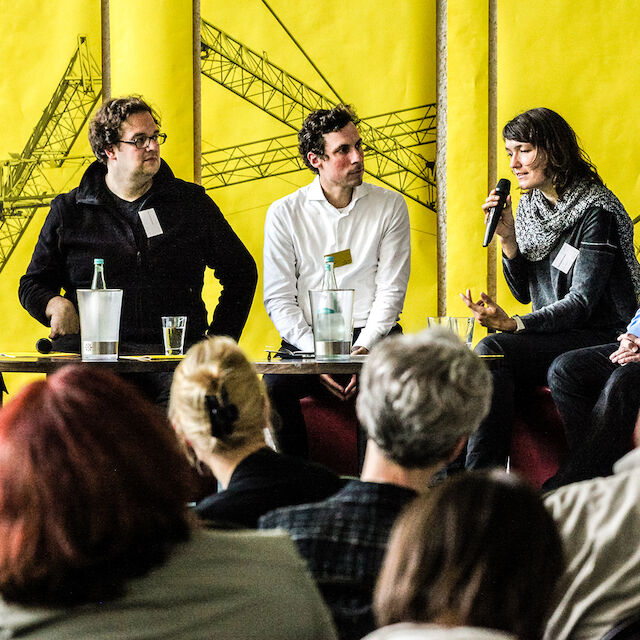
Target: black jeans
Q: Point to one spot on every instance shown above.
(599, 402)
(527, 358)
(285, 392)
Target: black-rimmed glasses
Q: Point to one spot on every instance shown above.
(142, 142)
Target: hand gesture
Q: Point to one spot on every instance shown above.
(628, 351)
(488, 313)
(344, 393)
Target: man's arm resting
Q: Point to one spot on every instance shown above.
(62, 316)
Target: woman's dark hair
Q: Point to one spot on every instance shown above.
(317, 123)
(551, 134)
(480, 549)
(93, 489)
(104, 128)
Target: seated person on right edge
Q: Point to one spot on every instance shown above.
(569, 252)
(365, 228)
(220, 411)
(599, 520)
(421, 396)
(597, 392)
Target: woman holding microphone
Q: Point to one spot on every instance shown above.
(569, 252)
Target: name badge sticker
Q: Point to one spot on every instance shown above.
(150, 222)
(340, 258)
(565, 258)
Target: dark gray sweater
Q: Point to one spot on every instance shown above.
(597, 292)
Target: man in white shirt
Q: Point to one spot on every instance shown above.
(363, 226)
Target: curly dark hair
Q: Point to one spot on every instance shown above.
(104, 128)
(552, 135)
(319, 122)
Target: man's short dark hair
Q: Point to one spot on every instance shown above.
(317, 123)
(104, 128)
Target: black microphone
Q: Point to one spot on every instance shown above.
(502, 189)
(44, 345)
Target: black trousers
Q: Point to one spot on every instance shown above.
(285, 392)
(599, 402)
(527, 358)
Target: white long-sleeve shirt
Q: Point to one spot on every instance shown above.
(301, 228)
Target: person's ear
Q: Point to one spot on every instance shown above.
(314, 159)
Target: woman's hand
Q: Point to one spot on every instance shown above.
(506, 226)
(488, 313)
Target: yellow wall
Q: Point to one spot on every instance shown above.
(38, 40)
(467, 150)
(151, 54)
(582, 61)
(379, 55)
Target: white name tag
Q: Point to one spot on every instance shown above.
(565, 258)
(150, 222)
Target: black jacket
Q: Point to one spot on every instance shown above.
(162, 275)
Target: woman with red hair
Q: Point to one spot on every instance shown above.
(96, 539)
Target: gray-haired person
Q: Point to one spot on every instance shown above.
(421, 396)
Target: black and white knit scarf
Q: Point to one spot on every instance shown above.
(539, 224)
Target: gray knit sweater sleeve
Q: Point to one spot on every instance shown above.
(596, 292)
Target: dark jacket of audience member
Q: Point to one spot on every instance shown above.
(219, 407)
(420, 398)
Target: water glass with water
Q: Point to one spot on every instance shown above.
(173, 331)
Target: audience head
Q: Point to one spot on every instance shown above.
(421, 395)
(556, 144)
(218, 404)
(93, 489)
(479, 550)
(105, 127)
(316, 124)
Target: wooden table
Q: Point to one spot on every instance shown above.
(37, 363)
(310, 366)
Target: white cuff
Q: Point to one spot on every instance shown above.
(519, 323)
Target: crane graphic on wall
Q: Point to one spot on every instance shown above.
(27, 180)
(252, 76)
(45, 167)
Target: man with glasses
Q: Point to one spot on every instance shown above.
(156, 234)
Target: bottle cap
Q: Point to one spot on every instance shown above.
(328, 259)
(98, 261)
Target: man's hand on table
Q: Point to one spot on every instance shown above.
(347, 392)
(63, 317)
